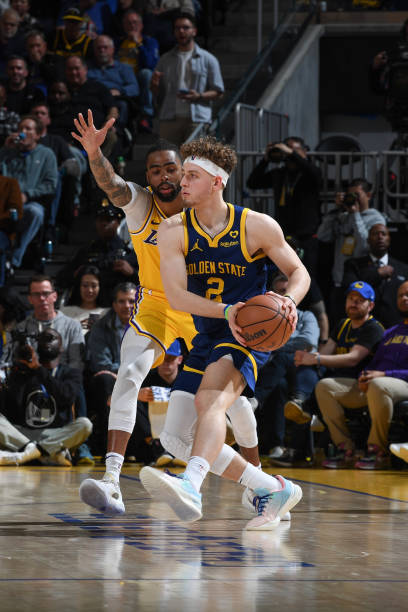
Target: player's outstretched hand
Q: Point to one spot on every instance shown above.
(235, 329)
(288, 307)
(89, 137)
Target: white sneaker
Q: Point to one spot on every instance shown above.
(400, 450)
(175, 490)
(248, 503)
(104, 495)
(30, 453)
(272, 505)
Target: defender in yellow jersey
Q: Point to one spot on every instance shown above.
(153, 325)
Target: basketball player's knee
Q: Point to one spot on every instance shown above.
(86, 425)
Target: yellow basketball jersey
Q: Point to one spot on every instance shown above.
(144, 242)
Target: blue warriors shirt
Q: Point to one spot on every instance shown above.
(220, 268)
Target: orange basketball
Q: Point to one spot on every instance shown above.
(263, 323)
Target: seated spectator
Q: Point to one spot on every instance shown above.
(115, 76)
(11, 40)
(141, 53)
(69, 40)
(42, 296)
(350, 347)
(108, 252)
(186, 81)
(383, 272)
(27, 21)
(103, 344)
(37, 420)
(44, 67)
(347, 227)
(59, 99)
(152, 406)
(122, 8)
(69, 179)
(295, 184)
(88, 93)
(11, 209)
(9, 120)
(383, 381)
(84, 304)
(279, 380)
(35, 168)
(159, 19)
(21, 94)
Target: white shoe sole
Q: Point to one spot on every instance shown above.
(94, 495)
(158, 485)
(399, 451)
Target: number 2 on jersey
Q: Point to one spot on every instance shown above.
(214, 292)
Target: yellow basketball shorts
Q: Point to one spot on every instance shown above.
(153, 318)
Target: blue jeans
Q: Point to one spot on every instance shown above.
(144, 77)
(4, 246)
(28, 226)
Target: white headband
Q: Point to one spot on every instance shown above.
(209, 167)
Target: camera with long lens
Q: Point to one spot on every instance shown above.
(22, 345)
(105, 260)
(276, 155)
(350, 199)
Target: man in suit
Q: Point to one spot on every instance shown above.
(384, 273)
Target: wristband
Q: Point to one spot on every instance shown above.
(226, 310)
(323, 341)
(290, 297)
(318, 360)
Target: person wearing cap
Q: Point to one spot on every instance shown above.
(70, 40)
(350, 347)
(116, 262)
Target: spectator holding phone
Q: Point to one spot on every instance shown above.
(186, 81)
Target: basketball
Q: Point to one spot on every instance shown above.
(264, 325)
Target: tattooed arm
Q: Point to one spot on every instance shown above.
(91, 139)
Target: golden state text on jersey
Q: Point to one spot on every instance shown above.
(221, 268)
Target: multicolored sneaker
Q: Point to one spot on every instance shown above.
(400, 450)
(272, 505)
(175, 490)
(248, 497)
(104, 495)
(344, 458)
(374, 459)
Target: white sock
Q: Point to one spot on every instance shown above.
(197, 469)
(113, 465)
(253, 478)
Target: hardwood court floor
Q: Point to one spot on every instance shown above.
(346, 548)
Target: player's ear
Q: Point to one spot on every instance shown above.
(218, 183)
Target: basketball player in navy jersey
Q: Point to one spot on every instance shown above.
(213, 257)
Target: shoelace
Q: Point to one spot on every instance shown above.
(260, 502)
(174, 475)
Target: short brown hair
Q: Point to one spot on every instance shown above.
(210, 148)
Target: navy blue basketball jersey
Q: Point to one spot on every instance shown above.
(221, 268)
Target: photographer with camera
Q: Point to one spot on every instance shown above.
(116, 262)
(296, 184)
(37, 419)
(347, 226)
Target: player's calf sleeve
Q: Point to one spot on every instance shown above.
(243, 422)
(178, 434)
(137, 357)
